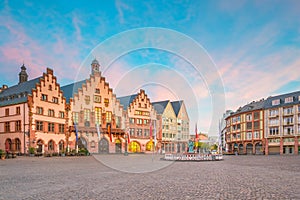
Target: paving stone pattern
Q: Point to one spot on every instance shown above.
(236, 177)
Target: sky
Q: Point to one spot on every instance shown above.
(214, 55)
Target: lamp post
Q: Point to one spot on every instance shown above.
(126, 152)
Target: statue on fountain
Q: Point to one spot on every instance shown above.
(191, 146)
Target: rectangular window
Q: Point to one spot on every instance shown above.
(106, 102)
(87, 99)
(98, 112)
(55, 100)
(249, 125)
(274, 122)
(97, 99)
(61, 128)
(139, 132)
(274, 131)
(289, 130)
(288, 111)
(108, 117)
(18, 110)
(118, 122)
(39, 110)
(97, 91)
(249, 117)
(18, 125)
(249, 136)
(256, 115)
(50, 127)
(7, 127)
(39, 125)
(44, 97)
(146, 132)
(256, 134)
(288, 120)
(75, 117)
(61, 114)
(131, 120)
(139, 121)
(256, 125)
(51, 113)
(131, 131)
(7, 112)
(273, 112)
(86, 115)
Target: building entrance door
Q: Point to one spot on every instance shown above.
(249, 149)
(103, 146)
(118, 146)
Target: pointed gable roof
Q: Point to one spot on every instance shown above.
(160, 106)
(176, 106)
(18, 93)
(71, 89)
(127, 100)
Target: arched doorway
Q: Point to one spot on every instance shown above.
(8, 145)
(103, 146)
(40, 146)
(51, 145)
(249, 149)
(258, 149)
(241, 149)
(18, 144)
(82, 144)
(118, 146)
(134, 147)
(150, 146)
(61, 146)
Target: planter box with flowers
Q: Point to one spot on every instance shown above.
(2, 154)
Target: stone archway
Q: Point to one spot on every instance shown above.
(8, 144)
(258, 149)
(150, 146)
(134, 147)
(61, 146)
(103, 146)
(40, 146)
(249, 149)
(51, 145)
(241, 149)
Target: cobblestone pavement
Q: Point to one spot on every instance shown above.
(237, 177)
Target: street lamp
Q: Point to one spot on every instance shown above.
(126, 152)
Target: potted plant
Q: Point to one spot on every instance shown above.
(62, 153)
(31, 151)
(2, 154)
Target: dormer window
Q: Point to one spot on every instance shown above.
(288, 100)
(275, 102)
